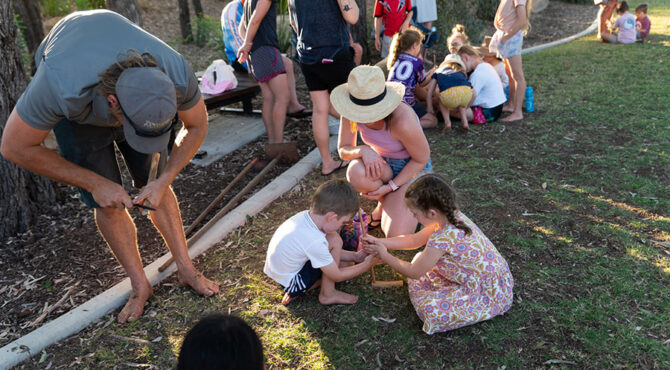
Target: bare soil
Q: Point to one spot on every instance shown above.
(63, 258)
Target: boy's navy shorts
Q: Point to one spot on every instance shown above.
(303, 280)
(92, 147)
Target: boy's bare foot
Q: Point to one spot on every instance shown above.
(198, 282)
(446, 128)
(287, 299)
(513, 117)
(337, 297)
(135, 305)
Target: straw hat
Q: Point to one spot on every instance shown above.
(367, 97)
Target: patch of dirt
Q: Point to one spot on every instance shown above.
(63, 259)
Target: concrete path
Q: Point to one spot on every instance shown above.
(229, 132)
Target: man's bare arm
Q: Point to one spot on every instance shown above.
(349, 10)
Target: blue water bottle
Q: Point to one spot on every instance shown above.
(530, 105)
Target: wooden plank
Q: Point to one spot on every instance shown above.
(247, 88)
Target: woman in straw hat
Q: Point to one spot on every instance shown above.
(395, 152)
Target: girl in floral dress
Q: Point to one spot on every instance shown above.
(459, 278)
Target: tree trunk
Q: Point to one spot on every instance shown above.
(359, 31)
(185, 21)
(21, 192)
(29, 15)
(197, 6)
(127, 8)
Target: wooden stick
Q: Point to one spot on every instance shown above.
(375, 283)
(216, 200)
(231, 203)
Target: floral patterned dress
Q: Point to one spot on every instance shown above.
(470, 283)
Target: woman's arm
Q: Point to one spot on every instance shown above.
(349, 10)
(257, 16)
(432, 85)
(406, 129)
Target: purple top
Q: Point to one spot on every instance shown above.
(407, 70)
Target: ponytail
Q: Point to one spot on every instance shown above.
(403, 42)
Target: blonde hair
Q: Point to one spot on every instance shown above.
(458, 31)
(403, 42)
(469, 51)
(455, 66)
(529, 9)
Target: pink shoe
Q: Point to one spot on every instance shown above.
(478, 116)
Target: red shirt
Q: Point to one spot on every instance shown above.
(393, 13)
(643, 25)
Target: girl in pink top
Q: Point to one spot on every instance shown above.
(394, 150)
(511, 22)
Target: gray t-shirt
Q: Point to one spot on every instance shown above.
(74, 53)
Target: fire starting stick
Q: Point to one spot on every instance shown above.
(375, 283)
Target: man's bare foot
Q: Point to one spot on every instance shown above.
(287, 299)
(513, 117)
(198, 282)
(337, 297)
(135, 305)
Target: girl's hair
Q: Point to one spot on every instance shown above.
(529, 9)
(432, 191)
(622, 8)
(458, 31)
(403, 42)
(455, 66)
(129, 59)
(469, 51)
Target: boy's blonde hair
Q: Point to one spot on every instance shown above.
(469, 51)
(402, 42)
(336, 196)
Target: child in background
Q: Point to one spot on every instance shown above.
(642, 22)
(625, 23)
(221, 342)
(306, 249)
(512, 23)
(492, 59)
(490, 96)
(459, 278)
(607, 8)
(454, 90)
(457, 39)
(395, 15)
(405, 66)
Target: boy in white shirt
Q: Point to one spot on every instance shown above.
(306, 250)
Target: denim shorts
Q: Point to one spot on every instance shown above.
(509, 49)
(397, 164)
(303, 280)
(92, 147)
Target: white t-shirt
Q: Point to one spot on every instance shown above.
(486, 82)
(295, 242)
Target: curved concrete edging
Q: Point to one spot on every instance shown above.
(80, 317)
(592, 28)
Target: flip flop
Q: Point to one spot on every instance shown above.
(339, 167)
(374, 224)
(304, 112)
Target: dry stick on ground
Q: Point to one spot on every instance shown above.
(52, 308)
(226, 208)
(375, 283)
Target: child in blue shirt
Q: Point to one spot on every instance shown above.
(450, 81)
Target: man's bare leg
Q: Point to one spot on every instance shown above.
(167, 220)
(320, 107)
(118, 230)
(328, 294)
(293, 104)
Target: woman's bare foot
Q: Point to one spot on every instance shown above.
(198, 282)
(337, 297)
(513, 117)
(328, 169)
(135, 305)
(287, 299)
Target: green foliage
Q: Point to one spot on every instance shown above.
(486, 9)
(284, 33)
(23, 47)
(465, 12)
(53, 8)
(207, 32)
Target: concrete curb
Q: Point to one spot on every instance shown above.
(80, 317)
(592, 28)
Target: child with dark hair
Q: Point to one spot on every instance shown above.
(450, 81)
(406, 66)
(221, 342)
(306, 250)
(642, 22)
(395, 16)
(460, 278)
(625, 23)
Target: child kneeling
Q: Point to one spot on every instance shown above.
(455, 92)
(306, 250)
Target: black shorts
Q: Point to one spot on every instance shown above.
(92, 147)
(419, 109)
(327, 76)
(494, 113)
(303, 280)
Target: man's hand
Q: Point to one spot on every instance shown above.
(152, 192)
(111, 195)
(378, 44)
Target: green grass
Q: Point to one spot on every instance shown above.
(591, 283)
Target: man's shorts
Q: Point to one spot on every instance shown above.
(456, 97)
(303, 280)
(509, 49)
(386, 45)
(92, 147)
(266, 63)
(329, 75)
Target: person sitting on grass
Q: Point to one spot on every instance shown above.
(625, 24)
(406, 66)
(221, 342)
(490, 96)
(460, 278)
(642, 22)
(455, 92)
(306, 250)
